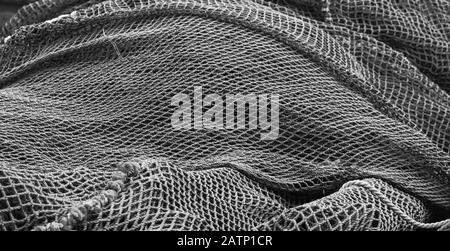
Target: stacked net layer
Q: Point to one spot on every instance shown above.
(364, 121)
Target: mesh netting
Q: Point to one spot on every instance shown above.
(86, 140)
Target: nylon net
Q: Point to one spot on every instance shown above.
(86, 140)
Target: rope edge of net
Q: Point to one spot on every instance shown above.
(72, 217)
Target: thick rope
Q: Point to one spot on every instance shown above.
(71, 217)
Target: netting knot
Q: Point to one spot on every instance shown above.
(130, 168)
(73, 216)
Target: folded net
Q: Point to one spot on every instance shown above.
(86, 141)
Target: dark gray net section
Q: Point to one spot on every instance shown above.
(364, 126)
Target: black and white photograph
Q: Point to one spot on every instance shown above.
(216, 117)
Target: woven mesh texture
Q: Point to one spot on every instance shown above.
(364, 138)
(7, 11)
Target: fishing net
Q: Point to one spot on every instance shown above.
(86, 140)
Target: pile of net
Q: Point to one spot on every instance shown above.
(86, 140)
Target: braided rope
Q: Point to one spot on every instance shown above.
(71, 217)
(440, 225)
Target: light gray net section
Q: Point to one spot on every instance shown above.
(364, 115)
